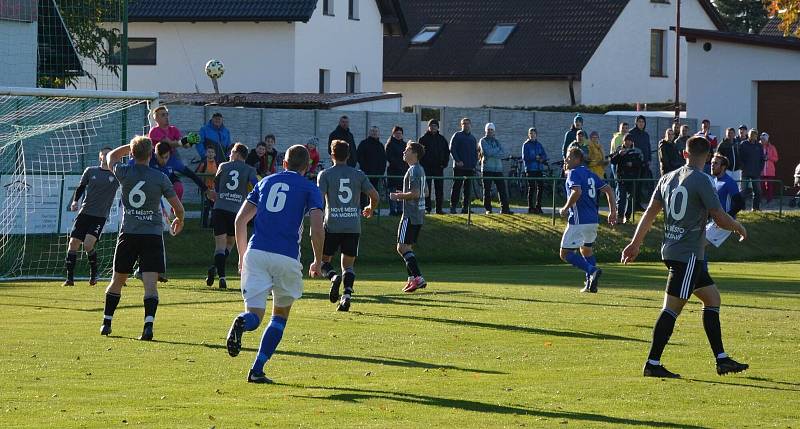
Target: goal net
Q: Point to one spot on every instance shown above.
(47, 138)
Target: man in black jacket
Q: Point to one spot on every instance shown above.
(395, 147)
(371, 157)
(641, 140)
(437, 156)
(342, 132)
(729, 148)
(627, 163)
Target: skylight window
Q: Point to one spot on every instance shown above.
(425, 35)
(499, 34)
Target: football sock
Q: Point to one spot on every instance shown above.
(72, 257)
(251, 321)
(219, 263)
(579, 262)
(349, 280)
(661, 333)
(92, 257)
(713, 331)
(112, 300)
(328, 271)
(269, 342)
(150, 307)
(592, 261)
(411, 264)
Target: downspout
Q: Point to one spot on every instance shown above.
(571, 90)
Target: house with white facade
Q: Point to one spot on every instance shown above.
(267, 46)
(510, 53)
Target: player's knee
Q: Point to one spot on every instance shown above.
(564, 254)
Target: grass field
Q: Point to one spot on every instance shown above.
(483, 346)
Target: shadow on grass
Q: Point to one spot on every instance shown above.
(356, 396)
(406, 300)
(99, 309)
(754, 386)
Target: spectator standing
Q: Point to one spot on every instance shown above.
(464, 149)
(668, 157)
(768, 173)
(729, 148)
(437, 156)
(582, 143)
(535, 159)
(395, 147)
(371, 156)
(314, 163)
(742, 137)
(616, 140)
(752, 156)
(627, 162)
(597, 157)
(214, 133)
(342, 132)
(705, 131)
(572, 135)
(680, 142)
(491, 155)
(641, 140)
(208, 165)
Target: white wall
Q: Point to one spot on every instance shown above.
(340, 45)
(18, 53)
(258, 57)
(730, 98)
(619, 70)
(485, 93)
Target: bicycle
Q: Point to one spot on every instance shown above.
(517, 171)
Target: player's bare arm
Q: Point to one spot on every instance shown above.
(177, 208)
(117, 154)
(317, 241)
(612, 204)
(574, 196)
(725, 221)
(374, 200)
(399, 196)
(631, 251)
(245, 215)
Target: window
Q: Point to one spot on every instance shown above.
(499, 34)
(660, 1)
(141, 52)
(353, 82)
(657, 53)
(327, 7)
(426, 35)
(324, 81)
(352, 10)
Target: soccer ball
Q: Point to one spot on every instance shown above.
(215, 69)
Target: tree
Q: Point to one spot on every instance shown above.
(743, 16)
(789, 13)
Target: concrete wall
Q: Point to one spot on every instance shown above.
(18, 53)
(619, 70)
(492, 93)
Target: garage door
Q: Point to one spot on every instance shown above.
(779, 116)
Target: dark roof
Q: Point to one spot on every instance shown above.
(553, 39)
(771, 27)
(220, 10)
(275, 100)
(780, 42)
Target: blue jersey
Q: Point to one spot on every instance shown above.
(726, 189)
(282, 200)
(585, 210)
(172, 166)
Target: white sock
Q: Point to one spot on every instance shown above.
(654, 362)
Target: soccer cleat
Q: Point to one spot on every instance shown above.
(223, 284)
(93, 280)
(344, 304)
(252, 377)
(105, 329)
(333, 295)
(415, 283)
(162, 277)
(730, 366)
(587, 286)
(234, 342)
(594, 278)
(147, 332)
(659, 371)
(212, 271)
(68, 283)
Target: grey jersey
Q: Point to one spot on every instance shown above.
(101, 188)
(687, 195)
(342, 187)
(414, 209)
(142, 189)
(231, 185)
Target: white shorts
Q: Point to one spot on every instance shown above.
(716, 235)
(576, 236)
(265, 272)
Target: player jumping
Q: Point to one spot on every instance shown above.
(413, 198)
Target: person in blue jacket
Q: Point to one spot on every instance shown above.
(215, 133)
(535, 159)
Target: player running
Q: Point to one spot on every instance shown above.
(231, 183)
(582, 186)
(100, 187)
(687, 197)
(141, 232)
(342, 186)
(413, 198)
(271, 263)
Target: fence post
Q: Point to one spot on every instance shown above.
(553, 193)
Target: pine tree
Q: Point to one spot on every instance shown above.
(743, 16)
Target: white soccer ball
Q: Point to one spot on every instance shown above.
(215, 69)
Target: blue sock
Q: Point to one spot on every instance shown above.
(251, 321)
(592, 261)
(269, 342)
(578, 262)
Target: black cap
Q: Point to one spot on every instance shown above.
(743, 127)
(433, 122)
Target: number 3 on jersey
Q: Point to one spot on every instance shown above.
(234, 183)
(592, 190)
(276, 198)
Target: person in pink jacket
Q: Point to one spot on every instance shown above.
(768, 173)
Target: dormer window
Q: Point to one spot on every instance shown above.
(426, 35)
(499, 34)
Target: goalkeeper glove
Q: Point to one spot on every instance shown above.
(191, 139)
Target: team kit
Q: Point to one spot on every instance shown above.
(699, 209)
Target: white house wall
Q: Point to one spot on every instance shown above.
(18, 53)
(341, 45)
(619, 70)
(730, 96)
(485, 93)
(258, 57)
